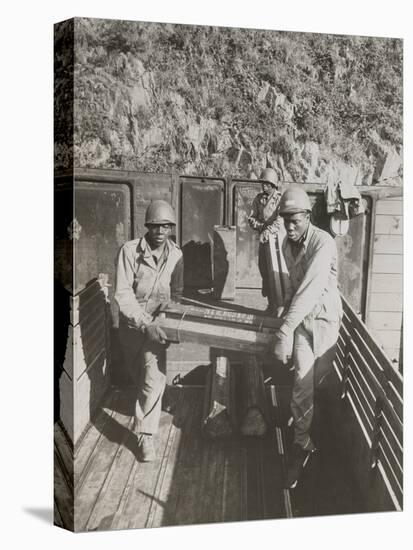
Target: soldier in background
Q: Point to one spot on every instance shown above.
(264, 218)
(312, 318)
(149, 275)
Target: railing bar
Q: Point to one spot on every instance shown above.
(362, 374)
(338, 366)
(341, 350)
(392, 417)
(396, 391)
(376, 374)
(392, 494)
(395, 436)
(385, 461)
(365, 433)
(356, 385)
(338, 371)
(400, 467)
(372, 346)
(354, 395)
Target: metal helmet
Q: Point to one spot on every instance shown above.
(294, 200)
(270, 175)
(159, 212)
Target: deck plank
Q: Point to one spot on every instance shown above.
(189, 463)
(84, 453)
(254, 488)
(162, 510)
(272, 468)
(195, 467)
(114, 486)
(64, 451)
(209, 475)
(57, 518)
(232, 483)
(116, 433)
(136, 508)
(195, 479)
(63, 496)
(159, 511)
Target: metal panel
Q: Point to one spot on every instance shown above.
(352, 248)
(247, 274)
(352, 256)
(101, 224)
(202, 207)
(224, 257)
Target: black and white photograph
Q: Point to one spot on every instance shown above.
(206, 274)
(228, 274)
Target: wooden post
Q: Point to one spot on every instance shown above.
(219, 401)
(253, 406)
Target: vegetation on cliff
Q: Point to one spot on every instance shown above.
(224, 101)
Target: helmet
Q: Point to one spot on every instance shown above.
(294, 200)
(159, 212)
(270, 175)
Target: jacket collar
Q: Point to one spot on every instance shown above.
(302, 245)
(146, 253)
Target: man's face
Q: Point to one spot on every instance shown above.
(296, 225)
(267, 187)
(158, 233)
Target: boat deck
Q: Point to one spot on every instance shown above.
(194, 480)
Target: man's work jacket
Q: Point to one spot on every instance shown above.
(314, 293)
(264, 212)
(142, 284)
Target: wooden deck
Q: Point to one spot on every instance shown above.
(194, 480)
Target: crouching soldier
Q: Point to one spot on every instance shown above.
(149, 274)
(311, 322)
(264, 218)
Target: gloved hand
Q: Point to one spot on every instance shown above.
(155, 333)
(282, 345)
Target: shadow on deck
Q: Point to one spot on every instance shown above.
(194, 480)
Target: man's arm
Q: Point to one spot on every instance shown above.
(124, 294)
(312, 286)
(177, 281)
(253, 220)
(270, 210)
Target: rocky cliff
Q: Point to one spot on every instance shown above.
(221, 101)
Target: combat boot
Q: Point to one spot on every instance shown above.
(296, 464)
(146, 448)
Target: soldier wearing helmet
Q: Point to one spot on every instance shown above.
(264, 218)
(149, 275)
(312, 317)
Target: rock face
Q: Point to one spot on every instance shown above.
(222, 101)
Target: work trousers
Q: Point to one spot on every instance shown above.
(145, 362)
(313, 354)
